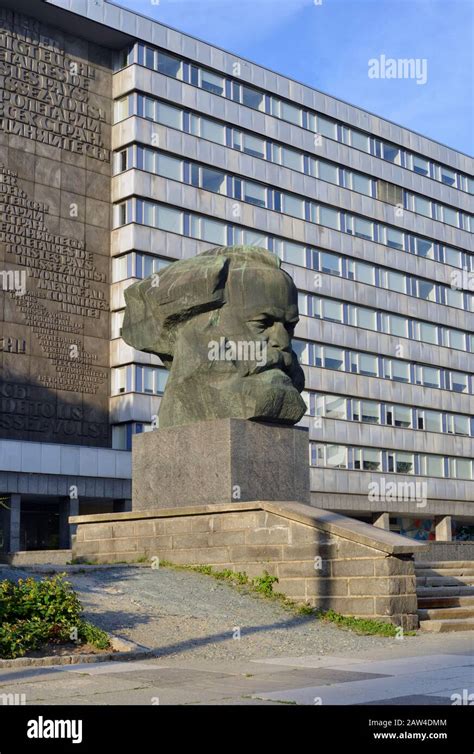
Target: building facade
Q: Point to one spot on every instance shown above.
(128, 145)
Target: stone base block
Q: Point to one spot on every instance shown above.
(219, 462)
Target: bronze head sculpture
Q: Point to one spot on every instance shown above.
(222, 323)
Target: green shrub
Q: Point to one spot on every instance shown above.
(264, 584)
(34, 613)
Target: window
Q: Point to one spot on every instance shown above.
(329, 217)
(365, 364)
(327, 172)
(300, 347)
(121, 109)
(336, 456)
(150, 108)
(212, 180)
(459, 425)
(391, 154)
(168, 65)
(424, 248)
(213, 231)
(426, 291)
(450, 216)
(366, 459)
(456, 339)
(422, 205)
(333, 358)
(359, 141)
(448, 176)
(331, 310)
(294, 253)
(400, 416)
(433, 465)
(254, 238)
(402, 463)
(326, 127)
(253, 145)
(429, 421)
(397, 325)
(212, 83)
(399, 371)
(366, 411)
(116, 320)
(428, 332)
(463, 468)
(170, 219)
(365, 318)
(119, 437)
(252, 98)
(453, 256)
(363, 228)
(290, 113)
(291, 159)
(362, 184)
(396, 281)
(148, 373)
(254, 193)
(363, 273)
(455, 298)
(420, 165)
(459, 382)
(169, 116)
(292, 205)
(212, 131)
(119, 268)
(149, 214)
(428, 376)
(395, 238)
(330, 263)
(120, 380)
(335, 407)
(169, 167)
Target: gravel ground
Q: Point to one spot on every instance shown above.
(190, 615)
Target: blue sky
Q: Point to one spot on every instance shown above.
(328, 46)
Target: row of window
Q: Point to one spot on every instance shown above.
(364, 272)
(141, 265)
(326, 455)
(340, 407)
(372, 365)
(136, 378)
(135, 264)
(333, 310)
(153, 161)
(219, 232)
(224, 86)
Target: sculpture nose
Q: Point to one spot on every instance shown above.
(279, 336)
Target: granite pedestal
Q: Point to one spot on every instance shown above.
(221, 461)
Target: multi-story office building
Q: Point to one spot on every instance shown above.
(126, 145)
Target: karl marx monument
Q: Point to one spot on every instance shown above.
(222, 324)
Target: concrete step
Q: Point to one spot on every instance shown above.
(444, 591)
(434, 602)
(444, 572)
(39, 557)
(435, 564)
(445, 626)
(440, 581)
(451, 613)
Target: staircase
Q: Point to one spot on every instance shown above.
(445, 592)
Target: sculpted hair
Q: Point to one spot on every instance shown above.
(157, 306)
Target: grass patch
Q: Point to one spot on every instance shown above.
(36, 613)
(263, 585)
(365, 626)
